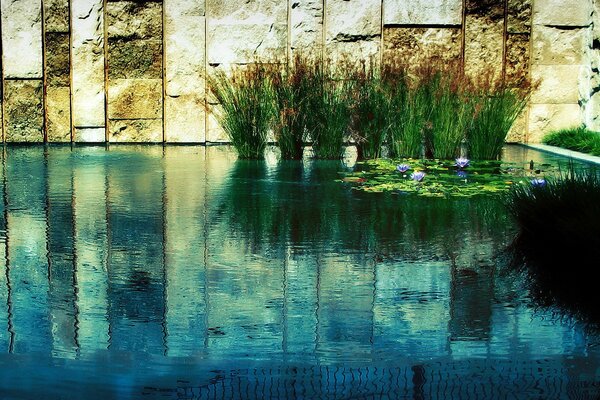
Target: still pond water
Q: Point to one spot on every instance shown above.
(181, 273)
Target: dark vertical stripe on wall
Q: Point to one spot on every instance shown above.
(464, 32)
(1, 82)
(105, 47)
(164, 71)
(324, 36)
(44, 81)
(381, 38)
(71, 72)
(504, 40)
(206, 89)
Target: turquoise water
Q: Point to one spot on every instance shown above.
(180, 272)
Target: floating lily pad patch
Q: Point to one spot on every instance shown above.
(441, 178)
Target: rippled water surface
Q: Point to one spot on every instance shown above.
(179, 272)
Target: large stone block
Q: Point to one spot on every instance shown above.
(422, 12)
(134, 19)
(185, 55)
(414, 46)
(484, 38)
(23, 110)
(559, 46)
(558, 84)
(56, 16)
(58, 114)
(57, 59)
(563, 12)
(214, 130)
(518, 132)
(88, 63)
(185, 119)
(135, 131)
(519, 16)
(517, 57)
(185, 8)
(306, 30)
(243, 32)
(22, 38)
(545, 118)
(135, 59)
(89, 135)
(135, 98)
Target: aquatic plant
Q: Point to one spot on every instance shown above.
(577, 139)
(402, 168)
(558, 244)
(461, 162)
(417, 176)
(246, 107)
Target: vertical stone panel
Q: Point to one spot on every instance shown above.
(135, 91)
(563, 12)
(353, 29)
(23, 110)
(306, 30)
(242, 32)
(58, 92)
(519, 16)
(87, 61)
(22, 38)
(185, 58)
(484, 37)
(414, 46)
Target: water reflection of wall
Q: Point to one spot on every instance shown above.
(182, 251)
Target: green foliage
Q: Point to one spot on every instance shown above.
(577, 139)
(442, 178)
(246, 98)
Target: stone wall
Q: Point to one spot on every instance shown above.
(134, 71)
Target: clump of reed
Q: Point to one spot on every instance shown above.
(246, 98)
(558, 244)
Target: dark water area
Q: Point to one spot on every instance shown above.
(183, 273)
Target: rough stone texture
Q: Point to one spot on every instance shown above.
(56, 16)
(416, 45)
(185, 8)
(89, 135)
(244, 32)
(592, 111)
(559, 46)
(22, 39)
(422, 12)
(185, 119)
(58, 114)
(88, 64)
(214, 131)
(544, 118)
(135, 98)
(518, 132)
(23, 110)
(134, 20)
(562, 12)
(484, 37)
(135, 131)
(519, 16)
(135, 59)
(185, 75)
(517, 57)
(57, 59)
(306, 30)
(353, 29)
(558, 84)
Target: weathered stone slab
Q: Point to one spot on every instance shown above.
(484, 37)
(22, 29)
(185, 119)
(518, 132)
(559, 84)
(89, 135)
(135, 59)
(23, 110)
(563, 12)
(88, 63)
(214, 131)
(306, 30)
(57, 59)
(185, 8)
(414, 46)
(244, 32)
(545, 118)
(56, 16)
(559, 46)
(135, 98)
(135, 131)
(517, 57)
(519, 16)
(592, 111)
(422, 12)
(58, 114)
(134, 19)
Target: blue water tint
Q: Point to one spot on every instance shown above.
(181, 272)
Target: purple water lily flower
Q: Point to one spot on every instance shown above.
(462, 162)
(538, 182)
(462, 174)
(417, 176)
(402, 168)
